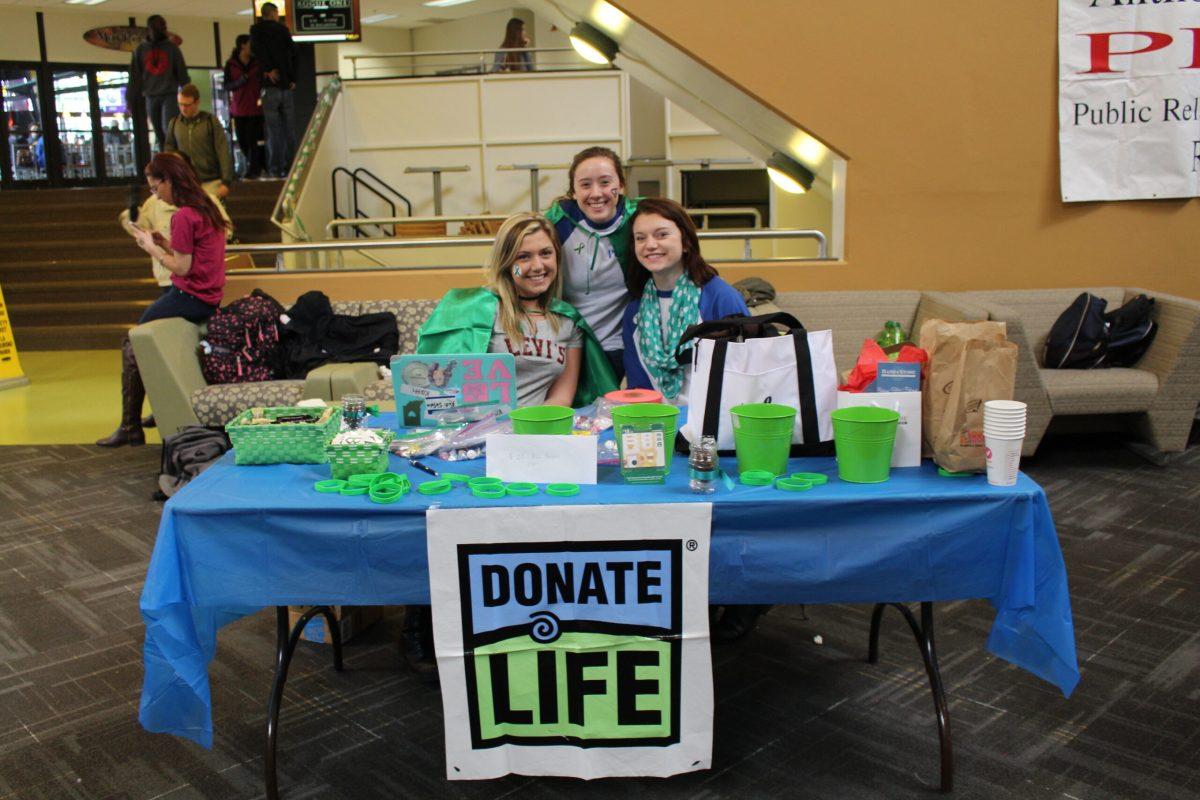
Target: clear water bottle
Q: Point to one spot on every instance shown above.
(354, 411)
(703, 465)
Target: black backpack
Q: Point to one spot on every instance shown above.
(1078, 337)
(1085, 337)
(1131, 331)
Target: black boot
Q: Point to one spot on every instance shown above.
(736, 622)
(148, 421)
(133, 394)
(416, 641)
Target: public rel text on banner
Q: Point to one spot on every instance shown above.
(1129, 99)
(573, 640)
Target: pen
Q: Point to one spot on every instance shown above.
(423, 468)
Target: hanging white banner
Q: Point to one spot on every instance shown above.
(1129, 99)
(573, 640)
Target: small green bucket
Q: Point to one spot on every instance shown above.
(552, 420)
(762, 436)
(641, 417)
(864, 437)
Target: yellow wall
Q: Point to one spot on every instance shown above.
(949, 122)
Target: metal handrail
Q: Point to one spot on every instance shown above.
(285, 209)
(468, 241)
(378, 222)
(354, 59)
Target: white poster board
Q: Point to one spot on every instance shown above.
(1129, 100)
(573, 640)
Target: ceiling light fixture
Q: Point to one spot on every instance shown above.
(444, 3)
(592, 44)
(371, 20)
(788, 174)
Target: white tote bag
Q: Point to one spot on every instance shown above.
(748, 360)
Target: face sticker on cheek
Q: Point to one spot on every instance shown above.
(516, 270)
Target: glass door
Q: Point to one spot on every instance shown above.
(73, 109)
(25, 159)
(116, 124)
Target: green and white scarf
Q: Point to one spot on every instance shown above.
(657, 350)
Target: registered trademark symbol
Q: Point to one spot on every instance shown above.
(692, 544)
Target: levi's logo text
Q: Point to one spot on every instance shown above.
(572, 642)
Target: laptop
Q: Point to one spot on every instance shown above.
(450, 389)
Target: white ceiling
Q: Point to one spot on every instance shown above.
(409, 13)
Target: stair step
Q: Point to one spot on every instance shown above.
(119, 244)
(77, 314)
(13, 273)
(65, 337)
(83, 290)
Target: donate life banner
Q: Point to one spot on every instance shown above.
(1129, 99)
(573, 640)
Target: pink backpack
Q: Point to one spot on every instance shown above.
(243, 341)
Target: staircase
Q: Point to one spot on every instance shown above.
(73, 279)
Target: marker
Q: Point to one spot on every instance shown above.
(427, 470)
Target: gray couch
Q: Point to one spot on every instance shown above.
(1161, 392)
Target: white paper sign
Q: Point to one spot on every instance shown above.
(573, 640)
(907, 450)
(541, 459)
(1129, 99)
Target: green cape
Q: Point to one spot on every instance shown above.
(463, 323)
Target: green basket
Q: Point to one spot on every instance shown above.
(285, 443)
(357, 459)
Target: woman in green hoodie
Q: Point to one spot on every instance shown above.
(519, 311)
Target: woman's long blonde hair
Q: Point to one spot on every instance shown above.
(498, 272)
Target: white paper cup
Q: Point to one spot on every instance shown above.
(1009, 406)
(1003, 458)
(1003, 429)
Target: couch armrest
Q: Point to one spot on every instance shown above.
(1029, 387)
(333, 381)
(170, 369)
(1174, 357)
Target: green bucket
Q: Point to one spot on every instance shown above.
(762, 436)
(641, 416)
(863, 437)
(554, 420)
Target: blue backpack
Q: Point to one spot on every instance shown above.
(1085, 337)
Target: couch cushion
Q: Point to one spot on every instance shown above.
(1099, 391)
(1039, 308)
(852, 316)
(379, 391)
(410, 314)
(218, 403)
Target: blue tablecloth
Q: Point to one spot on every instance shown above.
(240, 538)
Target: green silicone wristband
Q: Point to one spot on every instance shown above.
(353, 491)
(455, 477)
(815, 478)
(793, 484)
(329, 486)
(434, 487)
(489, 491)
(389, 477)
(364, 479)
(522, 489)
(563, 489)
(483, 480)
(386, 493)
(757, 477)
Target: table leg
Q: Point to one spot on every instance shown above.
(286, 640)
(923, 632)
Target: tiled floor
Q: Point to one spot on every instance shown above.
(794, 718)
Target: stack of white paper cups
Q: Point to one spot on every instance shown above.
(1003, 434)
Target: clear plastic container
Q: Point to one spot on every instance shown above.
(703, 465)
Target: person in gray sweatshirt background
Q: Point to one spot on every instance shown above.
(156, 73)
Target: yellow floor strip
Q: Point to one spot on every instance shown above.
(73, 397)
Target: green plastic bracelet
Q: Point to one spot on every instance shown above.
(521, 489)
(329, 486)
(489, 491)
(389, 477)
(353, 491)
(815, 478)
(455, 477)
(757, 477)
(793, 484)
(434, 487)
(563, 489)
(386, 493)
(483, 480)
(363, 479)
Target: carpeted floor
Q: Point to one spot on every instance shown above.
(794, 718)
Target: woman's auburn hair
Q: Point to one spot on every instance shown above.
(498, 272)
(694, 266)
(185, 187)
(597, 151)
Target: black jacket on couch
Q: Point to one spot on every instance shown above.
(314, 335)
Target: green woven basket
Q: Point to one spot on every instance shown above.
(284, 443)
(356, 459)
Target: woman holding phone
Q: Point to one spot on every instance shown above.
(195, 257)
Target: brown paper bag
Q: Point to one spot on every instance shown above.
(969, 362)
